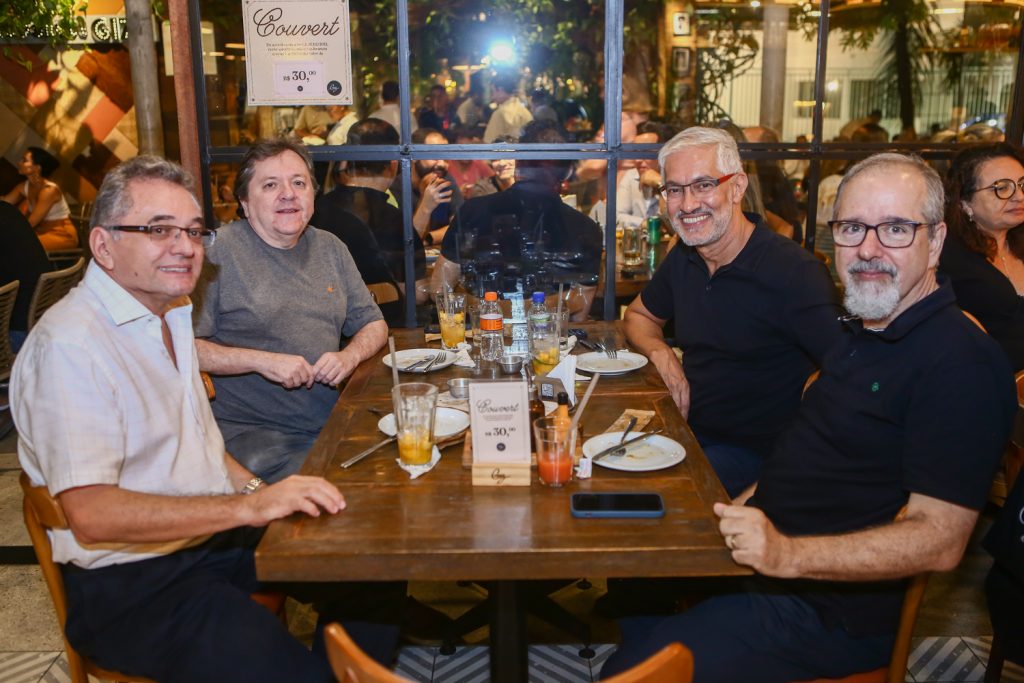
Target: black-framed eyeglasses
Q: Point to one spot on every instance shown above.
(162, 233)
(1004, 188)
(895, 234)
(699, 188)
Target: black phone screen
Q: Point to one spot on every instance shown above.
(617, 502)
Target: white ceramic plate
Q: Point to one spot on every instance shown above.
(447, 422)
(595, 361)
(655, 453)
(407, 357)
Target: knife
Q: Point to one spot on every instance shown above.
(359, 456)
(620, 449)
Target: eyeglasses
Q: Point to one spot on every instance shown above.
(1004, 188)
(895, 235)
(162, 233)
(699, 188)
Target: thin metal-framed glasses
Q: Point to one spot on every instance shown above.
(895, 234)
(1004, 188)
(162, 233)
(699, 188)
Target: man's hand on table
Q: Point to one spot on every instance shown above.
(334, 366)
(754, 540)
(287, 370)
(297, 493)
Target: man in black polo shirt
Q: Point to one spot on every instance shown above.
(754, 313)
(910, 413)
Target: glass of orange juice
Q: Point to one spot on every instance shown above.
(451, 316)
(544, 349)
(415, 404)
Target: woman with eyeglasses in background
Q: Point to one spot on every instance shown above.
(984, 250)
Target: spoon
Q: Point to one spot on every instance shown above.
(629, 428)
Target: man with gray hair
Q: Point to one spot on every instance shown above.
(753, 312)
(114, 421)
(883, 472)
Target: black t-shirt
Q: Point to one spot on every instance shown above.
(522, 235)
(384, 220)
(988, 295)
(924, 406)
(356, 235)
(751, 334)
(22, 258)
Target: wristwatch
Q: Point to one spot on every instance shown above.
(251, 486)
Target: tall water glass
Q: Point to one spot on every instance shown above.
(415, 404)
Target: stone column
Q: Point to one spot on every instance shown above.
(773, 65)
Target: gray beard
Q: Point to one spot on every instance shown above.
(690, 241)
(872, 301)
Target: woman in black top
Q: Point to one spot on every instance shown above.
(984, 250)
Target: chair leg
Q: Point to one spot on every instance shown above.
(994, 669)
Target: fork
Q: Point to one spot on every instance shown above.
(440, 356)
(609, 348)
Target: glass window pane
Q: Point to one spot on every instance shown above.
(953, 83)
(482, 71)
(702, 62)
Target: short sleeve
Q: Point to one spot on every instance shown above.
(957, 426)
(657, 295)
(68, 417)
(813, 309)
(361, 309)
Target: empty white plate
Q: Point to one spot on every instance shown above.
(407, 357)
(654, 453)
(447, 422)
(596, 361)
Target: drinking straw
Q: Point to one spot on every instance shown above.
(394, 361)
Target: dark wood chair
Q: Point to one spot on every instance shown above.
(51, 288)
(8, 294)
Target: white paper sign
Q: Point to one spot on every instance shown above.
(297, 52)
(499, 416)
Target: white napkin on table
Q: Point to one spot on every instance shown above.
(463, 359)
(419, 470)
(566, 372)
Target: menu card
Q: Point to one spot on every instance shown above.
(499, 416)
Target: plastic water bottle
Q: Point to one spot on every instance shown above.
(539, 317)
(491, 341)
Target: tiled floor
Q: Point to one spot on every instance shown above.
(31, 646)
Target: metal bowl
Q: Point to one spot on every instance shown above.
(459, 387)
(511, 364)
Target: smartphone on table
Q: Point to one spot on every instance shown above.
(625, 504)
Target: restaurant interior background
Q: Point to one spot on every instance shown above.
(942, 73)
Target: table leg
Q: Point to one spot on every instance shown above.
(508, 633)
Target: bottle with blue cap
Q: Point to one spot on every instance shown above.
(539, 317)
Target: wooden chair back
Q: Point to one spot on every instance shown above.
(674, 663)
(352, 665)
(42, 512)
(8, 293)
(383, 292)
(51, 288)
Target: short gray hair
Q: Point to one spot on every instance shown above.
(698, 136)
(114, 201)
(934, 197)
(268, 149)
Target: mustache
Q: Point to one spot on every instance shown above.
(872, 266)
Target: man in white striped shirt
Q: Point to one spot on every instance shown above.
(114, 421)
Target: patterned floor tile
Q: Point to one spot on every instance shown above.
(941, 659)
(467, 665)
(558, 664)
(1012, 673)
(416, 663)
(24, 667)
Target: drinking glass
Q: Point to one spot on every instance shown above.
(554, 450)
(451, 316)
(544, 349)
(415, 404)
(632, 248)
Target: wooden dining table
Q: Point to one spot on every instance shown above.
(440, 527)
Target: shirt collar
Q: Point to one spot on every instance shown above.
(913, 316)
(120, 305)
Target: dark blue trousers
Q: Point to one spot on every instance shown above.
(186, 617)
(751, 637)
(736, 466)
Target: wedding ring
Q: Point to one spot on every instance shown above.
(729, 541)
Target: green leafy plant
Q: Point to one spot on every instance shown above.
(55, 22)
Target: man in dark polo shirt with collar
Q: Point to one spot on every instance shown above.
(911, 413)
(754, 313)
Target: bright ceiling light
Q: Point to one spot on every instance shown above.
(502, 52)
